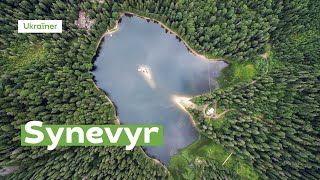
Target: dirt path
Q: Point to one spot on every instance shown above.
(265, 55)
(214, 115)
(217, 116)
(252, 82)
(108, 32)
(184, 102)
(227, 159)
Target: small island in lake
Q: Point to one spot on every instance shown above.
(147, 75)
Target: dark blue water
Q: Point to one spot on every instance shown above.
(175, 71)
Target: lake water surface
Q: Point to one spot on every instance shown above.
(175, 71)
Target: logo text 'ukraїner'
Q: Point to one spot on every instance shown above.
(34, 133)
(39, 26)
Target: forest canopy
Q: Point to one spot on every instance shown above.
(274, 126)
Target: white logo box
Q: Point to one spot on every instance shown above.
(39, 26)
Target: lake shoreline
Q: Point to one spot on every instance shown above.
(118, 122)
(178, 101)
(108, 32)
(178, 98)
(175, 99)
(127, 13)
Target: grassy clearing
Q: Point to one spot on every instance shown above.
(218, 123)
(178, 166)
(205, 148)
(299, 38)
(22, 54)
(244, 71)
(236, 72)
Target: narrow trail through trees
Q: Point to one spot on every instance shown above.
(184, 103)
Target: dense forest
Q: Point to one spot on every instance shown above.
(273, 122)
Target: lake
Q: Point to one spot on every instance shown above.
(175, 71)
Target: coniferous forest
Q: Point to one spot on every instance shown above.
(273, 118)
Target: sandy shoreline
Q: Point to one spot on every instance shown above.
(108, 32)
(184, 102)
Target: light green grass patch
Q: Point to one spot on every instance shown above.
(218, 123)
(242, 168)
(245, 72)
(207, 149)
(21, 54)
(177, 166)
(236, 72)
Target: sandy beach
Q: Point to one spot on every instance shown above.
(184, 102)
